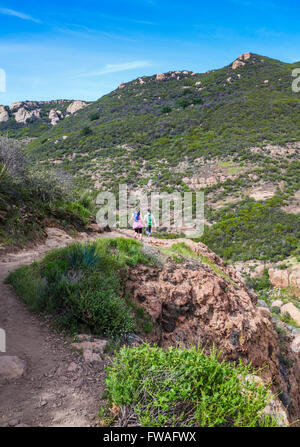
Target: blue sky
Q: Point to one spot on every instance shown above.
(84, 49)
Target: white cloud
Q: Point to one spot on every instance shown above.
(20, 15)
(113, 68)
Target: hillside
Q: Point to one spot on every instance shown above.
(186, 130)
(28, 119)
(232, 132)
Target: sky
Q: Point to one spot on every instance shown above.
(85, 49)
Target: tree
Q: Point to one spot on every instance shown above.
(13, 161)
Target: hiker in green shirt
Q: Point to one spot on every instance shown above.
(150, 221)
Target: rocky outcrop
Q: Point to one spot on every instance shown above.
(292, 311)
(22, 115)
(75, 106)
(15, 106)
(241, 60)
(4, 116)
(206, 303)
(53, 117)
(160, 77)
(27, 110)
(289, 277)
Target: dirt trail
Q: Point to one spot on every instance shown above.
(58, 388)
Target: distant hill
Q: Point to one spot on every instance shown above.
(156, 131)
(233, 132)
(31, 118)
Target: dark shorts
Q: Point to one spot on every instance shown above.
(138, 230)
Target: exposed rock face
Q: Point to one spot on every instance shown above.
(15, 105)
(296, 344)
(11, 368)
(292, 311)
(286, 278)
(22, 115)
(121, 86)
(75, 106)
(4, 116)
(190, 303)
(240, 62)
(160, 77)
(56, 237)
(53, 117)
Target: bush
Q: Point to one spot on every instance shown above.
(86, 131)
(82, 285)
(12, 159)
(94, 116)
(166, 109)
(50, 185)
(185, 387)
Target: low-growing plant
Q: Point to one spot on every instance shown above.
(185, 387)
(81, 285)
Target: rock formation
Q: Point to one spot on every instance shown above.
(194, 303)
(22, 115)
(160, 77)
(75, 106)
(53, 117)
(240, 62)
(289, 277)
(4, 116)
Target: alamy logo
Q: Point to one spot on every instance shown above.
(183, 212)
(2, 340)
(296, 82)
(2, 81)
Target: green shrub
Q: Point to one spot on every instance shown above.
(81, 285)
(259, 284)
(86, 131)
(166, 109)
(94, 116)
(185, 387)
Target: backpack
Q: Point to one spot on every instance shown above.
(136, 217)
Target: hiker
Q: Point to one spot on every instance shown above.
(150, 220)
(137, 223)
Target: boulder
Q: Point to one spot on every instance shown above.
(289, 277)
(22, 115)
(15, 105)
(75, 106)
(11, 368)
(57, 237)
(295, 345)
(292, 311)
(160, 77)
(240, 61)
(277, 303)
(4, 116)
(53, 117)
(279, 278)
